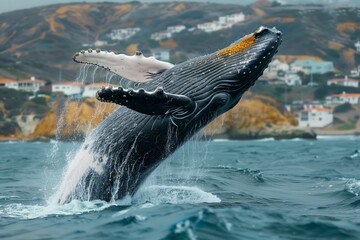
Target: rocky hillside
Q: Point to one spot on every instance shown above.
(41, 41)
(255, 117)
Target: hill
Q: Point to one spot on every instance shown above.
(41, 41)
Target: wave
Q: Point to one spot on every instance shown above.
(162, 194)
(338, 137)
(11, 142)
(75, 207)
(255, 174)
(353, 186)
(205, 224)
(146, 197)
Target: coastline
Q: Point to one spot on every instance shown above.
(215, 137)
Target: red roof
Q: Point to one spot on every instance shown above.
(69, 84)
(6, 80)
(31, 81)
(346, 95)
(343, 80)
(318, 109)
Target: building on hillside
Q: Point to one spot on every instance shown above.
(315, 117)
(123, 33)
(160, 35)
(213, 26)
(8, 83)
(357, 46)
(176, 28)
(345, 82)
(314, 67)
(355, 72)
(232, 18)
(311, 104)
(30, 85)
(352, 98)
(276, 66)
(161, 54)
(91, 89)
(292, 79)
(168, 32)
(223, 22)
(68, 88)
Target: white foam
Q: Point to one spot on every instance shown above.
(271, 139)
(76, 170)
(75, 207)
(353, 186)
(338, 137)
(160, 194)
(221, 140)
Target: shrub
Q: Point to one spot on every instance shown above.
(343, 108)
(39, 100)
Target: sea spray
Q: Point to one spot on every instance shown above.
(79, 161)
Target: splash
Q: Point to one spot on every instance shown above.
(75, 207)
(158, 194)
(79, 160)
(353, 186)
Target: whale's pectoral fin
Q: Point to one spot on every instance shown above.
(136, 68)
(157, 102)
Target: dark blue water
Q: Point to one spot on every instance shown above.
(207, 190)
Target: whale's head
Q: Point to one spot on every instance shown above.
(229, 71)
(244, 61)
(234, 68)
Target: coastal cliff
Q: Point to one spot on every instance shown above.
(74, 121)
(257, 117)
(254, 117)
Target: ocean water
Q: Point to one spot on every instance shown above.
(207, 190)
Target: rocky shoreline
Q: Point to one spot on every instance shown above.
(255, 117)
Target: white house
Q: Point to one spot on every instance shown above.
(352, 98)
(123, 33)
(357, 46)
(277, 65)
(160, 35)
(346, 82)
(91, 89)
(213, 26)
(168, 32)
(176, 28)
(314, 67)
(30, 85)
(315, 117)
(223, 22)
(161, 54)
(68, 88)
(355, 72)
(292, 79)
(233, 18)
(8, 83)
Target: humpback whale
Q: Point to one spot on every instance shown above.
(167, 105)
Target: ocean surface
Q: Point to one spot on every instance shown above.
(207, 190)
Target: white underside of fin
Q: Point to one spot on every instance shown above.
(136, 68)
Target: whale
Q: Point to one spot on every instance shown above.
(166, 106)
